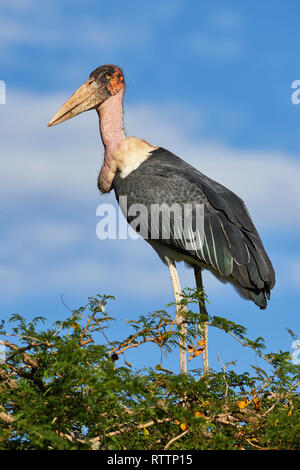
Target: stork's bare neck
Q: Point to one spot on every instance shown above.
(111, 122)
(112, 134)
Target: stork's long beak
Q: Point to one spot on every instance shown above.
(90, 95)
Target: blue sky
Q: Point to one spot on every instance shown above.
(210, 82)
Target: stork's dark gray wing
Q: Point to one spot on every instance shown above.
(231, 246)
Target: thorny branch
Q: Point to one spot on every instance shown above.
(25, 362)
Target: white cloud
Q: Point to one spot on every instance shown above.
(49, 256)
(220, 36)
(17, 4)
(226, 20)
(294, 265)
(93, 34)
(210, 46)
(50, 26)
(53, 249)
(63, 161)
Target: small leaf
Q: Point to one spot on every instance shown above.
(199, 414)
(257, 403)
(243, 404)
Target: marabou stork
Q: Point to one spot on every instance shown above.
(231, 247)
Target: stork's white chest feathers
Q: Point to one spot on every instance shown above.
(130, 154)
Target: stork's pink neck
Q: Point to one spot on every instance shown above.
(112, 134)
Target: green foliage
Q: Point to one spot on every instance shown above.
(69, 387)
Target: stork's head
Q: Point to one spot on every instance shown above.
(104, 82)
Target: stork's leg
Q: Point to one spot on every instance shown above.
(203, 327)
(179, 310)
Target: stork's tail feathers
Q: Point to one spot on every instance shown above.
(257, 278)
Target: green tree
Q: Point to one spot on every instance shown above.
(60, 388)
